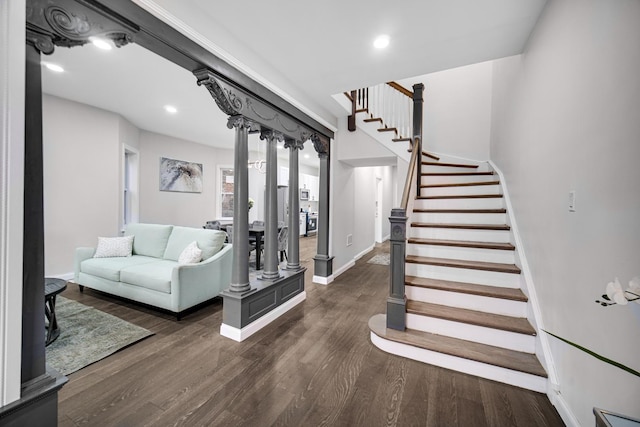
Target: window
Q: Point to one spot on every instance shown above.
(226, 192)
(130, 203)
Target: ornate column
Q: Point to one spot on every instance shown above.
(323, 263)
(293, 247)
(271, 270)
(240, 267)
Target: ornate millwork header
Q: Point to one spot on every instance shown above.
(235, 101)
(70, 23)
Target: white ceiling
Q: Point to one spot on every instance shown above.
(304, 50)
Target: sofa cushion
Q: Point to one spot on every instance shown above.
(155, 276)
(209, 241)
(109, 268)
(150, 239)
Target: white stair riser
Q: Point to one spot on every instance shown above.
(455, 179)
(464, 190)
(468, 301)
(460, 218)
(480, 203)
(465, 331)
(471, 367)
(501, 236)
(479, 277)
(469, 254)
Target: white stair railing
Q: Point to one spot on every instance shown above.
(390, 103)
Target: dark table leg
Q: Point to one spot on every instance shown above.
(258, 250)
(53, 331)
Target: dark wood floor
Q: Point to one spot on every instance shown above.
(313, 366)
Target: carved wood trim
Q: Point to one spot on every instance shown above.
(71, 23)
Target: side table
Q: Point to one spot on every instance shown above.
(52, 287)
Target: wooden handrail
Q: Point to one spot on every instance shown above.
(403, 90)
(412, 168)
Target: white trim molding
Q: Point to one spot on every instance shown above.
(240, 335)
(12, 86)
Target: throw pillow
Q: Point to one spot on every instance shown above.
(190, 255)
(114, 247)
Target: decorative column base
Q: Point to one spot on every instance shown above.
(396, 313)
(243, 315)
(322, 266)
(38, 405)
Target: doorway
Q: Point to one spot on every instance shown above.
(378, 210)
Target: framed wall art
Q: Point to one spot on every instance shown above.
(181, 176)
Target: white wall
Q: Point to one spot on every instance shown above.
(81, 146)
(457, 110)
(566, 117)
(12, 77)
(167, 207)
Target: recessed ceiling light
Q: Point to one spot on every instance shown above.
(170, 109)
(381, 42)
(306, 156)
(280, 146)
(53, 67)
(101, 43)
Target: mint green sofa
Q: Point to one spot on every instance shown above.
(152, 275)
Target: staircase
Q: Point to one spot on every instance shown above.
(465, 310)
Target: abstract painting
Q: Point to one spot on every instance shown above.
(178, 175)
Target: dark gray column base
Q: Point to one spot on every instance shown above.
(322, 265)
(396, 313)
(38, 405)
(294, 267)
(241, 310)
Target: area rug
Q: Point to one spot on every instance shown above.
(382, 259)
(88, 335)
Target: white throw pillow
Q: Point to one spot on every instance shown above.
(114, 247)
(190, 255)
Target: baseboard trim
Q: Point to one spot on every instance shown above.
(240, 335)
(320, 280)
(557, 400)
(65, 276)
(364, 252)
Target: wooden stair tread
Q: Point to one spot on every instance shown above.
(496, 356)
(463, 226)
(462, 196)
(463, 244)
(388, 130)
(519, 325)
(460, 184)
(431, 156)
(454, 165)
(401, 140)
(362, 110)
(500, 292)
(457, 173)
(460, 263)
(462, 211)
(373, 119)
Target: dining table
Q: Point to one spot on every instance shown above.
(256, 236)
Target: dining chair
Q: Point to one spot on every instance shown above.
(282, 243)
(230, 238)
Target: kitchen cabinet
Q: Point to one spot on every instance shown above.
(311, 183)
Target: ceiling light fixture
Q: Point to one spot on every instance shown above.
(53, 67)
(306, 156)
(170, 109)
(101, 43)
(381, 42)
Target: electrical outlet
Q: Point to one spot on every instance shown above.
(572, 201)
(349, 239)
